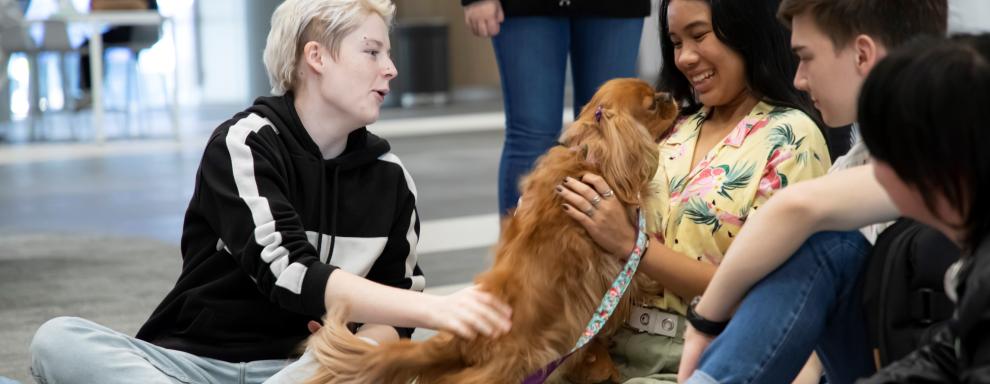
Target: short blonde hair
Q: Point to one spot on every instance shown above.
(297, 22)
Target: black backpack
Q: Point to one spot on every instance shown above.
(903, 288)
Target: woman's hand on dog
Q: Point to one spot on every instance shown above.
(470, 312)
(592, 203)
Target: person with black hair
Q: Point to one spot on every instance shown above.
(923, 116)
(745, 133)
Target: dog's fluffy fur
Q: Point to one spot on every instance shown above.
(547, 268)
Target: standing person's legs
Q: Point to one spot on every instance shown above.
(74, 350)
(602, 49)
(809, 303)
(532, 58)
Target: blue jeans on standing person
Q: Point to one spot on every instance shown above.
(810, 303)
(532, 59)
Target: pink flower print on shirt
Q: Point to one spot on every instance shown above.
(708, 180)
(745, 128)
(728, 218)
(720, 179)
(773, 180)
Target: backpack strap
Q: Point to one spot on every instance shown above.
(928, 306)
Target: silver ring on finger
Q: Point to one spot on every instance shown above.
(608, 194)
(595, 201)
(590, 211)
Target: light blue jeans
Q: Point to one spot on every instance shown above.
(809, 303)
(532, 57)
(74, 350)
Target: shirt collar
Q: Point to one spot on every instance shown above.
(687, 127)
(757, 118)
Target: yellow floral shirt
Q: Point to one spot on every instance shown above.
(704, 206)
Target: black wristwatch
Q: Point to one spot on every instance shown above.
(701, 324)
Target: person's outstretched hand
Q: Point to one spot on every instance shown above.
(695, 343)
(470, 312)
(484, 17)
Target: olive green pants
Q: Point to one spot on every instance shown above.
(643, 358)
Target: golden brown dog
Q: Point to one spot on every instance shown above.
(547, 268)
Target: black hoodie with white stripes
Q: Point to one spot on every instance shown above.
(267, 224)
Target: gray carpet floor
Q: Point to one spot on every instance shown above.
(114, 281)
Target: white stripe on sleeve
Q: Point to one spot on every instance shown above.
(287, 276)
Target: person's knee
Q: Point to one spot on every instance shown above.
(843, 247)
(841, 254)
(58, 342)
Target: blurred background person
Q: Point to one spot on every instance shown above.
(533, 41)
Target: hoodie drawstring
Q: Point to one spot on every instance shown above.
(333, 221)
(323, 213)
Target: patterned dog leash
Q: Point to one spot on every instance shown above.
(607, 306)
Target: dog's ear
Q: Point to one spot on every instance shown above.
(627, 155)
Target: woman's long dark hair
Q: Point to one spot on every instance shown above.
(751, 29)
(925, 111)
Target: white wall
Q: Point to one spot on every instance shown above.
(649, 46)
(969, 16)
(224, 51)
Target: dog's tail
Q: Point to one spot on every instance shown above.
(345, 358)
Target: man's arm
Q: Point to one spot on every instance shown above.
(842, 200)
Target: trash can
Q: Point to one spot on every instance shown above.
(420, 53)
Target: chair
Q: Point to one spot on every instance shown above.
(13, 39)
(142, 37)
(55, 39)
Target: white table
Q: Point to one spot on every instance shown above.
(97, 20)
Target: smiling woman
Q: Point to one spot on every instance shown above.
(745, 132)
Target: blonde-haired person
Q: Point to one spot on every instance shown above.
(297, 209)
